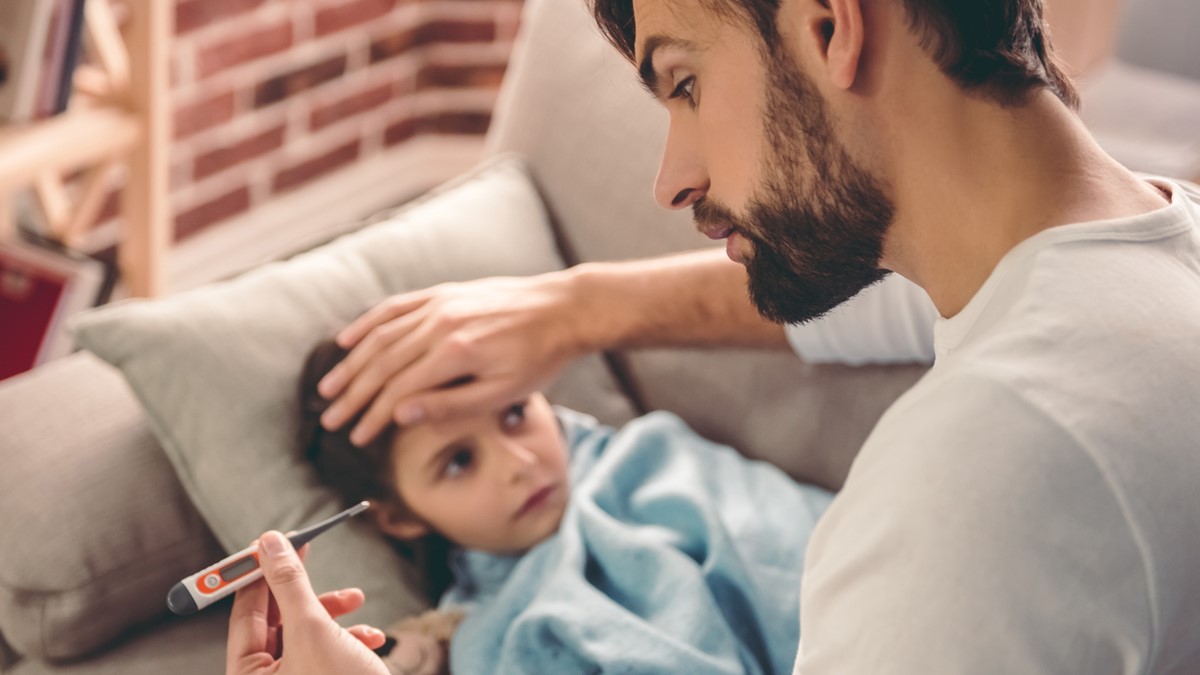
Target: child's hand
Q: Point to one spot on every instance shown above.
(423, 643)
(417, 653)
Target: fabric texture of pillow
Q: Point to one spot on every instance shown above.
(216, 368)
(87, 498)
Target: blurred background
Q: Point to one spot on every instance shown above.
(271, 97)
(276, 98)
(259, 125)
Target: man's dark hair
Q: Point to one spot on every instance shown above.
(998, 49)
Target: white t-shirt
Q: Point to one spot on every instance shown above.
(890, 322)
(1033, 504)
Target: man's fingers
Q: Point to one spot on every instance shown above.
(286, 576)
(272, 606)
(346, 380)
(366, 352)
(467, 399)
(274, 642)
(380, 379)
(378, 414)
(370, 636)
(422, 375)
(345, 601)
(421, 380)
(369, 368)
(247, 624)
(382, 312)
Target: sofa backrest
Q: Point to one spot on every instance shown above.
(572, 105)
(593, 137)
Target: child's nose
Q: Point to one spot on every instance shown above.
(521, 459)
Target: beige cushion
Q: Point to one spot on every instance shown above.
(595, 161)
(94, 528)
(216, 368)
(810, 420)
(8, 656)
(190, 646)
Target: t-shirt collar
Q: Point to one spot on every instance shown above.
(1182, 212)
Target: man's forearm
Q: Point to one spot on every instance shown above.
(694, 299)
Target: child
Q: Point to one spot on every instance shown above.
(573, 546)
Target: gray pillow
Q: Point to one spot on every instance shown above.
(216, 368)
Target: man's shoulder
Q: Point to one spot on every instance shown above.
(971, 468)
(978, 508)
(974, 445)
(984, 409)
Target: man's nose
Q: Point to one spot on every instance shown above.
(682, 178)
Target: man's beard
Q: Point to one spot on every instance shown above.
(817, 243)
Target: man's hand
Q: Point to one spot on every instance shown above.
(280, 627)
(449, 350)
(498, 340)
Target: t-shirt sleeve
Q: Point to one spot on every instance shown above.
(890, 322)
(978, 537)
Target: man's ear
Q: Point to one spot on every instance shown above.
(843, 37)
(402, 526)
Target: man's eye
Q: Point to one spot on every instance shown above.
(686, 90)
(514, 416)
(459, 462)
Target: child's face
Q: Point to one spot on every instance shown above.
(494, 482)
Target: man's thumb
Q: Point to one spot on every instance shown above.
(285, 575)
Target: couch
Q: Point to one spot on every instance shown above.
(104, 504)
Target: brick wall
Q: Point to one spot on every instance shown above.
(270, 95)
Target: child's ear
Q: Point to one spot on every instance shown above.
(399, 525)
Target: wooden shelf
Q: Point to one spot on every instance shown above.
(128, 126)
(65, 143)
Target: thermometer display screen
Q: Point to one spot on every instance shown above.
(239, 568)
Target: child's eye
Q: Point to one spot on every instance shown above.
(686, 90)
(514, 416)
(459, 463)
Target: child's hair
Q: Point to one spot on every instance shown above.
(362, 473)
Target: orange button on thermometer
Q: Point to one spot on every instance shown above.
(240, 569)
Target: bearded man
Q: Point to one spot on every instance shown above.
(1029, 506)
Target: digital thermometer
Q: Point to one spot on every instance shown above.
(240, 569)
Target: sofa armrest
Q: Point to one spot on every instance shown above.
(94, 526)
(193, 645)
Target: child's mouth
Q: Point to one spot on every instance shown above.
(536, 500)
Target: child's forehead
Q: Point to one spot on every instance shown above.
(431, 437)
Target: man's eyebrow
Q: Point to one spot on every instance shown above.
(646, 65)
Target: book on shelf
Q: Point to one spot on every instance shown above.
(53, 58)
(71, 55)
(41, 284)
(39, 49)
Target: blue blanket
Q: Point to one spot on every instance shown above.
(675, 555)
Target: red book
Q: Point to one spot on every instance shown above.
(39, 288)
(29, 299)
